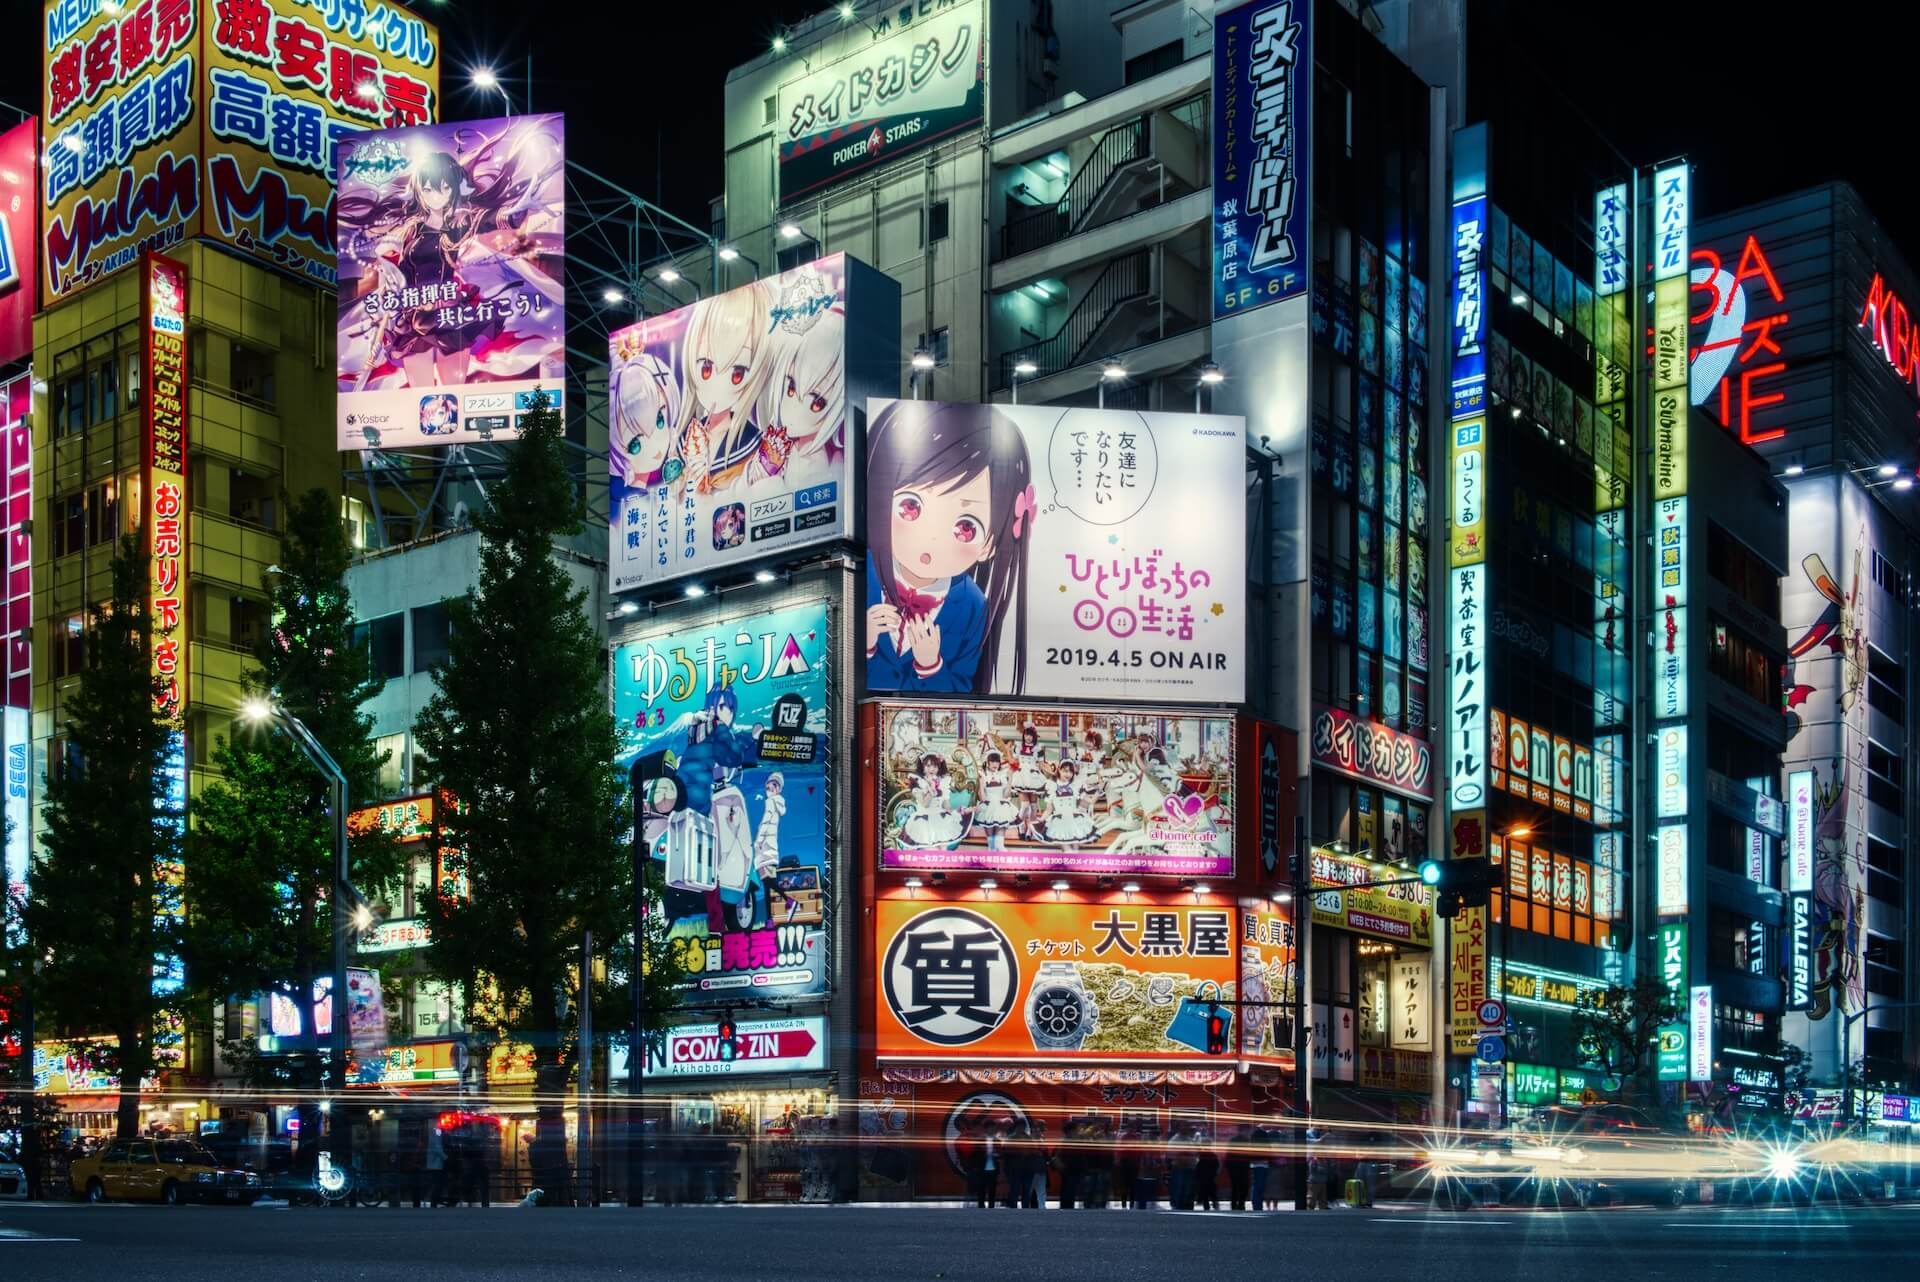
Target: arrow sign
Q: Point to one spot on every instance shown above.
(759, 1046)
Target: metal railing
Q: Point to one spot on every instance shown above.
(1125, 279)
(1119, 146)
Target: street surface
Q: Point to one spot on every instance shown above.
(951, 1244)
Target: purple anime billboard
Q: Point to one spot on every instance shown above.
(451, 304)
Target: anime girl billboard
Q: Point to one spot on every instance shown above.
(451, 299)
(1034, 550)
(730, 419)
(726, 735)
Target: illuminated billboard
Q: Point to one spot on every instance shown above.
(1262, 150)
(1032, 790)
(1002, 981)
(19, 242)
(166, 119)
(1046, 551)
(732, 421)
(452, 304)
(921, 78)
(727, 737)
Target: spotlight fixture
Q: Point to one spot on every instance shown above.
(1025, 369)
(1113, 370)
(1794, 469)
(728, 253)
(922, 358)
(1210, 375)
(789, 231)
(668, 275)
(764, 576)
(629, 607)
(694, 591)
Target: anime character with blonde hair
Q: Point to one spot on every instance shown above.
(726, 359)
(803, 407)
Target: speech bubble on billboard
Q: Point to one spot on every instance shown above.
(1103, 466)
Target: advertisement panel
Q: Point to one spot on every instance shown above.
(1267, 976)
(1467, 463)
(1467, 690)
(1700, 1034)
(759, 1046)
(1052, 552)
(1469, 361)
(452, 304)
(415, 1064)
(1031, 790)
(176, 118)
(1670, 889)
(66, 1068)
(1262, 152)
(1372, 753)
(164, 491)
(1016, 981)
(727, 737)
(730, 420)
(1800, 832)
(366, 1012)
(1467, 943)
(405, 820)
(1400, 913)
(915, 84)
(19, 240)
(397, 935)
(1670, 957)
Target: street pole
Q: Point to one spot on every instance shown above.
(637, 1046)
(583, 1089)
(1846, 1053)
(1302, 921)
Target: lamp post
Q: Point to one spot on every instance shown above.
(1111, 372)
(1022, 368)
(485, 80)
(343, 901)
(922, 364)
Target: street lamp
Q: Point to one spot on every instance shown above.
(345, 903)
(1210, 377)
(1111, 372)
(1022, 368)
(484, 79)
(922, 363)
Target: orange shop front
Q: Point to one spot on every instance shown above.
(1088, 1019)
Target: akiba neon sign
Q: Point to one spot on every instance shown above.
(1744, 307)
(1885, 319)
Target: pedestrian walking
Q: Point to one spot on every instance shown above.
(974, 1163)
(1261, 1162)
(1071, 1158)
(1038, 1159)
(1181, 1160)
(1206, 1171)
(1126, 1165)
(1316, 1182)
(1239, 1163)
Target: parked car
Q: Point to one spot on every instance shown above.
(165, 1170)
(13, 1176)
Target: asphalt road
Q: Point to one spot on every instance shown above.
(938, 1244)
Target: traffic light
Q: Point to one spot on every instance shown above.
(1458, 883)
(1216, 1032)
(727, 1032)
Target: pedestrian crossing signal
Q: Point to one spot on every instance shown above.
(1216, 1032)
(727, 1033)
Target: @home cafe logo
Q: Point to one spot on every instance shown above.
(950, 976)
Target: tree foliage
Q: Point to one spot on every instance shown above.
(103, 892)
(260, 858)
(519, 732)
(1618, 1028)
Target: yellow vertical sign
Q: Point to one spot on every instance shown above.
(1467, 941)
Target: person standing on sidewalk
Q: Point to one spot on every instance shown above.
(1239, 1162)
(1126, 1166)
(1206, 1171)
(1261, 1162)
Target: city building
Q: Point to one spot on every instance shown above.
(1802, 348)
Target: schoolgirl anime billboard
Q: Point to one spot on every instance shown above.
(730, 420)
(1042, 551)
(1031, 790)
(452, 305)
(726, 737)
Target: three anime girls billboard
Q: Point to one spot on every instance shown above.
(452, 316)
(731, 420)
(727, 738)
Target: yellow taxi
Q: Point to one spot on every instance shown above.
(163, 1170)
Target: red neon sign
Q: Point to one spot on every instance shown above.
(1734, 356)
(1891, 330)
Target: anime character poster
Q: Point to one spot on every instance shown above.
(730, 420)
(452, 305)
(726, 737)
(1041, 551)
(1030, 790)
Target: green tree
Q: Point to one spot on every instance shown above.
(260, 860)
(1616, 1030)
(103, 894)
(520, 733)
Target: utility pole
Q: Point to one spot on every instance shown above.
(583, 1089)
(1302, 921)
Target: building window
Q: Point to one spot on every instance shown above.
(1883, 871)
(431, 634)
(1885, 775)
(1153, 61)
(253, 374)
(1885, 971)
(69, 642)
(769, 109)
(385, 640)
(1750, 578)
(941, 345)
(393, 772)
(69, 523)
(1886, 685)
(1742, 664)
(937, 219)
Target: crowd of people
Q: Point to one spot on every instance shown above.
(1013, 1162)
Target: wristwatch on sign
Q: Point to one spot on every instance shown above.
(1059, 1015)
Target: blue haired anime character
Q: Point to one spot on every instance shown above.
(717, 752)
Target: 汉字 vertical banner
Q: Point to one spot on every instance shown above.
(452, 304)
(1262, 153)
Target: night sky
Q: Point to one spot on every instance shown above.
(1763, 99)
